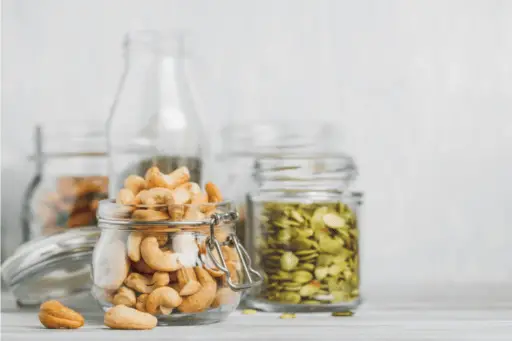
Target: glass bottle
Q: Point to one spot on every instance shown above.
(303, 233)
(153, 120)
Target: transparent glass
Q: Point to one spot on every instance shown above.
(153, 120)
(303, 234)
(70, 179)
(244, 142)
(137, 260)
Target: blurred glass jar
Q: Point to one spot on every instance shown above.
(70, 179)
(184, 272)
(243, 143)
(303, 233)
(153, 120)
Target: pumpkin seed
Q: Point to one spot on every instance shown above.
(301, 276)
(333, 220)
(249, 312)
(310, 302)
(309, 290)
(342, 313)
(289, 297)
(306, 266)
(288, 261)
(287, 316)
(321, 273)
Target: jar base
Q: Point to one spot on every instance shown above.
(277, 307)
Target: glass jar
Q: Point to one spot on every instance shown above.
(184, 272)
(243, 143)
(303, 233)
(153, 119)
(70, 178)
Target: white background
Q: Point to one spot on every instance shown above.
(422, 89)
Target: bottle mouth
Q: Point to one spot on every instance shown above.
(160, 42)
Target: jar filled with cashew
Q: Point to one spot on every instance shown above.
(168, 248)
(70, 179)
(304, 233)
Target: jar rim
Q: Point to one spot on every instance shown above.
(114, 215)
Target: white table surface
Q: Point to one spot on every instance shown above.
(378, 321)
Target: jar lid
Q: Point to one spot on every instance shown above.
(51, 267)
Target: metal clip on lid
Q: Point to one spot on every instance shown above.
(252, 276)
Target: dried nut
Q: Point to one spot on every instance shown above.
(111, 270)
(180, 196)
(214, 194)
(142, 267)
(249, 311)
(193, 188)
(135, 184)
(156, 196)
(163, 300)
(202, 299)
(123, 317)
(125, 197)
(156, 258)
(177, 177)
(213, 271)
(54, 315)
(149, 215)
(321, 272)
(155, 178)
(333, 220)
(309, 290)
(286, 316)
(145, 284)
(140, 305)
(288, 261)
(187, 281)
(194, 214)
(301, 276)
(125, 296)
(224, 296)
(342, 313)
(290, 297)
(133, 245)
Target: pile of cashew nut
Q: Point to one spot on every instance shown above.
(159, 272)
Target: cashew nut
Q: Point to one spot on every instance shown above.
(177, 177)
(142, 267)
(163, 300)
(133, 245)
(194, 214)
(145, 284)
(225, 296)
(213, 192)
(156, 258)
(155, 178)
(123, 317)
(110, 269)
(149, 215)
(125, 197)
(135, 184)
(193, 188)
(125, 296)
(204, 297)
(154, 196)
(187, 281)
(141, 302)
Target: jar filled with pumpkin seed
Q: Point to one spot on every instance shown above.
(303, 233)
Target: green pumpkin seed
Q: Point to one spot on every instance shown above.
(309, 290)
(289, 297)
(297, 216)
(306, 266)
(301, 276)
(333, 220)
(308, 258)
(304, 233)
(288, 261)
(305, 252)
(330, 245)
(339, 296)
(342, 313)
(321, 272)
(317, 218)
(292, 287)
(284, 235)
(334, 270)
(287, 316)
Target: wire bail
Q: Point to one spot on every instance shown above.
(252, 276)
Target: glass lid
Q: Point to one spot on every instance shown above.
(51, 267)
